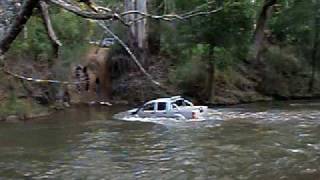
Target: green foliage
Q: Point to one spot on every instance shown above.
(292, 23)
(277, 58)
(14, 106)
(229, 29)
(21, 108)
(190, 72)
(72, 31)
(222, 38)
(224, 58)
(284, 73)
(297, 24)
(33, 41)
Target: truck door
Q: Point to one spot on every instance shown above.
(148, 110)
(162, 109)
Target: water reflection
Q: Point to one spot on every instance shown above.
(234, 143)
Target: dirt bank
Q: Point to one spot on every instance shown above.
(246, 84)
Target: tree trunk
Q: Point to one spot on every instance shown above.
(314, 53)
(137, 37)
(17, 25)
(154, 34)
(53, 89)
(211, 75)
(104, 76)
(261, 25)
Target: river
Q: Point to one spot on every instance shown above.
(259, 141)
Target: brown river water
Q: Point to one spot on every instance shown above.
(259, 141)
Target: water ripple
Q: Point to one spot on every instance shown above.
(230, 143)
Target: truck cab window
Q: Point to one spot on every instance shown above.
(161, 106)
(149, 107)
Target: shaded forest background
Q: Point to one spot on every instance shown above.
(248, 51)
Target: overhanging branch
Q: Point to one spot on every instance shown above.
(47, 23)
(85, 14)
(108, 14)
(133, 57)
(17, 25)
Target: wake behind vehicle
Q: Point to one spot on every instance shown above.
(174, 107)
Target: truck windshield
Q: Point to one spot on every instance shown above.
(174, 106)
(183, 102)
(187, 103)
(179, 102)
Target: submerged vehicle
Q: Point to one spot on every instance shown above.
(173, 107)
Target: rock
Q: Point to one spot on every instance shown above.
(22, 117)
(2, 118)
(120, 102)
(38, 115)
(12, 119)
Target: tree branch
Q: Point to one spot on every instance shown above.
(110, 14)
(113, 15)
(85, 14)
(47, 23)
(24, 78)
(134, 58)
(90, 4)
(17, 25)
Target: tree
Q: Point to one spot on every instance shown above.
(315, 44)
(95, 12)
(138, 31)
(154, 26)
(18, 24)
(303, 33)
(215, 37)
(264, 16)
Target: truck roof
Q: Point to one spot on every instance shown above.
(171, 99)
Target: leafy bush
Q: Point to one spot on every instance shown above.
(14, 106)
(223, 58)
(191, 71)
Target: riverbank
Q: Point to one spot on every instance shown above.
(14, 110)
(244, 83)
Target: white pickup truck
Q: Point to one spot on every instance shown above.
(174, 107)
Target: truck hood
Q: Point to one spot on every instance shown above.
(200, 108)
